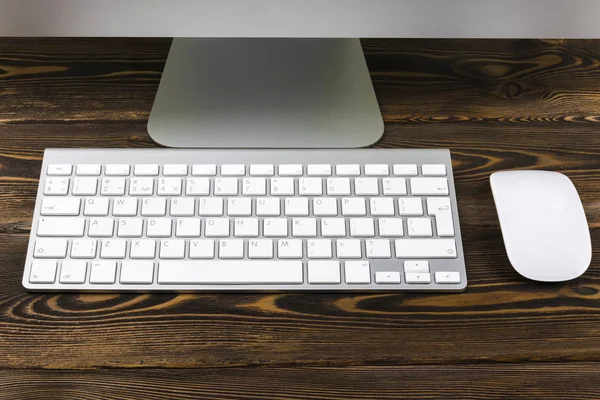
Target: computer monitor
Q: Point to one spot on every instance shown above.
(284, 73)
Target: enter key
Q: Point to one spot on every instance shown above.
(439, 207)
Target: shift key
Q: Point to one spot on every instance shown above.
(426, 248)
(61, 227)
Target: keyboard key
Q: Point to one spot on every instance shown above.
(142, 249)
(43, 272)
(73, 272)
(141, 187)
(366, 187)
(112, 187)
(202, 249)
(117, 170)
(319, 170)
(310, 187)
(226, 187)
(83, 249)
(268, 207)
(125, 207)
(421, 266)
(85, 186)
(113, 249)
(183, 207)
(289, 248)
(137, 272)
(172, 249)
(260, 249)
(378, 248)
(175, 170)
(254, 187)
(57, 187)
(406, 170)
(204, 170)
(304, 227)
(275, 227)
(155, 207)
(130, 228)
(419, 227)
(325, 207)
(230, 272)
(377, 170)
(348, 248)
(390, 227)
(296, 207)
(319, 248)
(324, 272)
(418, 277)
(239, 207)
(211, 207)
(411, 206)
(333, 227)
(354, 207)
(159, 228)
(439, 207)
(362, 227)
(233, 170)
(262, 170)
(387, 277)
(429, 186)
(382, 207)
(426, 248)
(146, 170)
(434, 170)
(217, 227)
(101, 227)
(246, 227)
(357, 272)
(282, 187)
(187, 227)
(290, 170)
(347, 170)
(61, 227)
(60, 206)
(447, 277)
(60, 170)
(89, 170)
(394, 187)
(197, 187)
(338, 186)
(169, 186)
(103, 272)
(96, 207)
(231, 249)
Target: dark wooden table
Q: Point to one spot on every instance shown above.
(496, 104)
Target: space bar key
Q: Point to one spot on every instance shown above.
(230, 272)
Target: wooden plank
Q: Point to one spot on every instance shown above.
(505, 381)
(77, 79)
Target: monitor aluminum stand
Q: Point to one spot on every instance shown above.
(266, 93)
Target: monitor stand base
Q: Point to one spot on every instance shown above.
(266, 93)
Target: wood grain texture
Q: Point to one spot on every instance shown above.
(577, 381)
(496, 104)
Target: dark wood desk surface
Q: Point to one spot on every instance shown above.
(496, 104)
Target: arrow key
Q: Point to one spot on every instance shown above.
(416, 277)
(447, 277)
(387, 277)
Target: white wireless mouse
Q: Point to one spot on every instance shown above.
(543, 224)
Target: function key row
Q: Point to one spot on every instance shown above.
(291, 170)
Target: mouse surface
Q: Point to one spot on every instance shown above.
(543, 224)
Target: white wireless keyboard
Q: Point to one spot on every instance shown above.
(245, 220)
